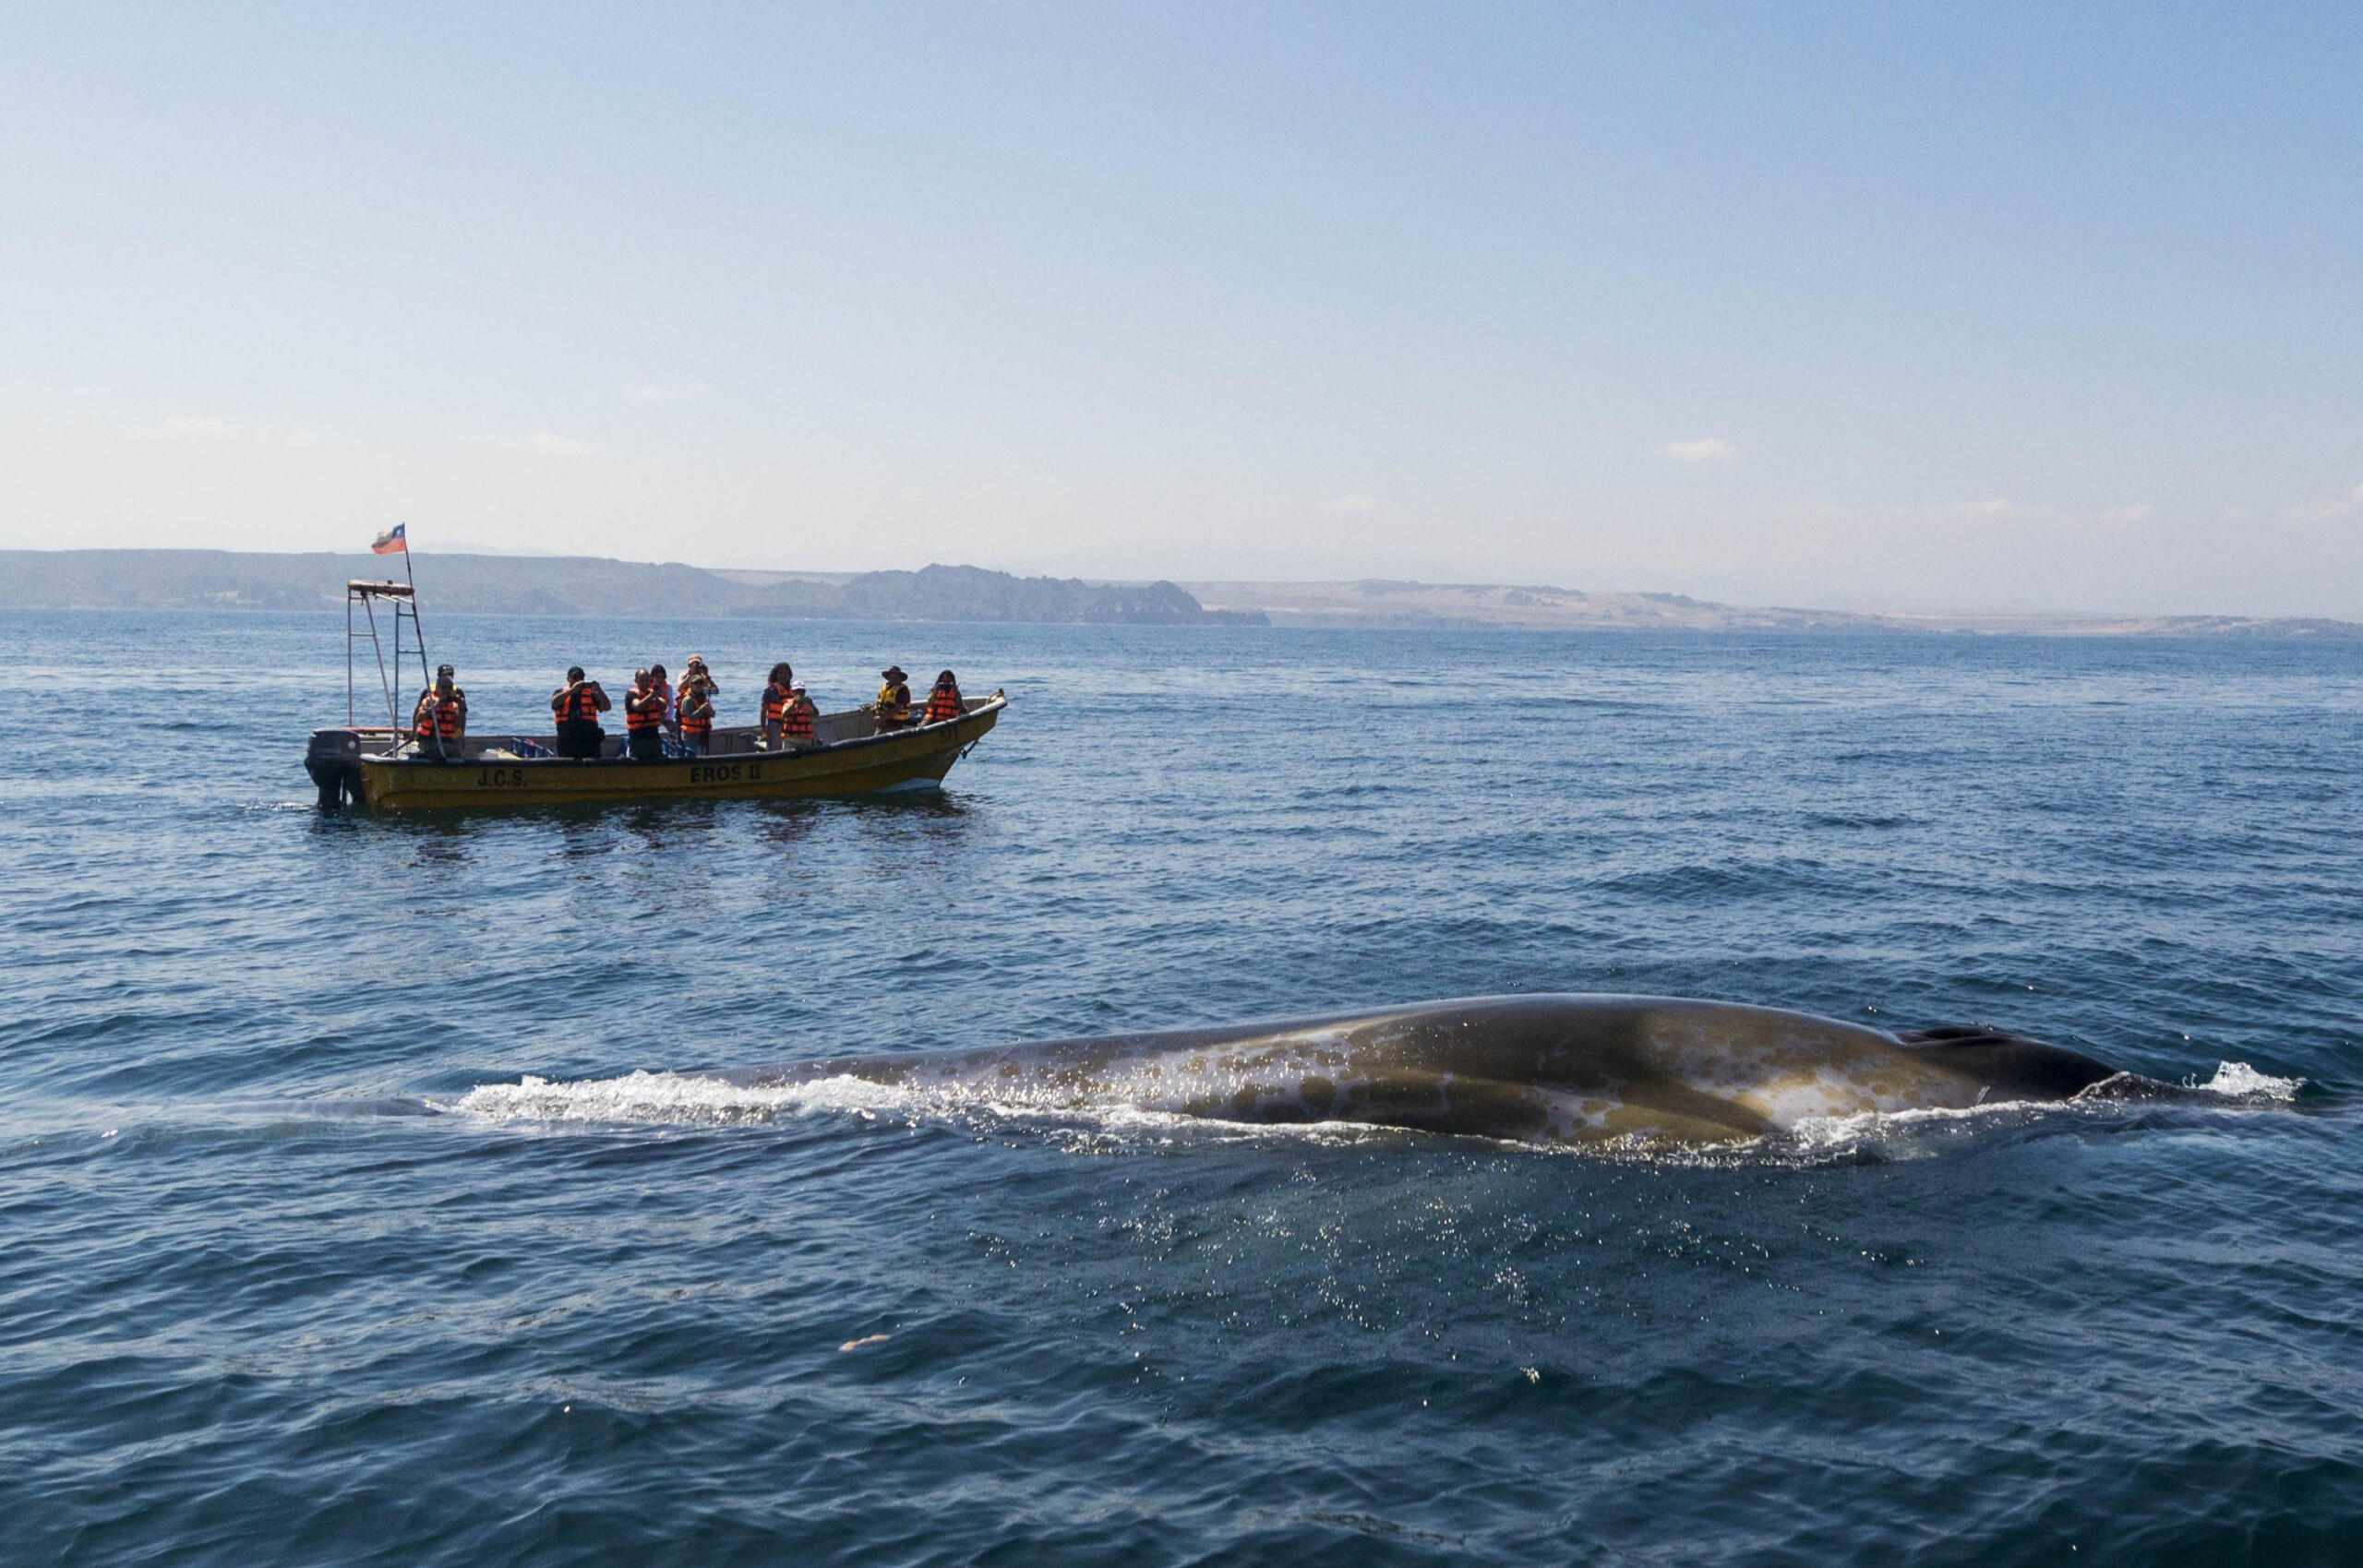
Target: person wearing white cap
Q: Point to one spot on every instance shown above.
(795, 720)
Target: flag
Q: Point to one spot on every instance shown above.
(391, 542)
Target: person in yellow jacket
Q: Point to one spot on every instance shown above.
(893, 705)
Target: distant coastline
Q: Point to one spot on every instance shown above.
(1531, 608)
(580, 585)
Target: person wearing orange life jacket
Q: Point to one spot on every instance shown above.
(439, 722)
(694, 710)
(797, 720)
(892, 707)
(664, 688)
(695, 676)
(644, 718)
(775, 696)
(576, 706)
(943, 703)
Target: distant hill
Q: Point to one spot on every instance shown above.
(972, 593)
(577, 585)
(584, 585)
(1378, 602)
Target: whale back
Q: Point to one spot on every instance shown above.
(1543, 1068)
(2013, 1067)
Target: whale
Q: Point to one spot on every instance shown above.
(1571, 1069)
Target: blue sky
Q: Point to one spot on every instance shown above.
(2036, 306)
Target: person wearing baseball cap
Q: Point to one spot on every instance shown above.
(439, 722)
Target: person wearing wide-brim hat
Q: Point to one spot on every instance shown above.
(695, 677)
(893, 705)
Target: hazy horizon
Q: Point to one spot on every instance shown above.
(2014, 310)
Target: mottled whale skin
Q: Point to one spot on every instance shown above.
(1560, 1069)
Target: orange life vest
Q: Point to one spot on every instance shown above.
(943, 703)
(437, 711)
(775, 701)
(796, 721)
(644, 710)
(575, 704)
(696, 714)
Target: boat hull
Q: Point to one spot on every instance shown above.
(869, 765)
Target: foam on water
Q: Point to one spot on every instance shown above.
(2237, 1080)
(668, 1099)
(1823, 1134)
(672, 1099)
(685, 1100)
(2234, 1081)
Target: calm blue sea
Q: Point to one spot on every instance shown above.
(248, 1318)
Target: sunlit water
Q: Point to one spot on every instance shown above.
(625, 1313)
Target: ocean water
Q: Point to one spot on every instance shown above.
(255, 1309)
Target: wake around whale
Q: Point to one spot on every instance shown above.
(1563, 1069)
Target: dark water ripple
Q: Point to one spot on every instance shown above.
(252, 1312)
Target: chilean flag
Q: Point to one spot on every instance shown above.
(391, 542)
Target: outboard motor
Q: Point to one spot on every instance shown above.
(333, 760)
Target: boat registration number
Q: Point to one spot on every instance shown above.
(704, 772)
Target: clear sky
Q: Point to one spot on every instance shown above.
(1993, 305)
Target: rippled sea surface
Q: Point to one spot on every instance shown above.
(250, 1314)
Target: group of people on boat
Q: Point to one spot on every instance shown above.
(892, 707)
(653, 710)
(656, 713)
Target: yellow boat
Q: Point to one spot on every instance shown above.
(380, 768)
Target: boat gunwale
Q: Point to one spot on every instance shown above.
(857, 767)
(993, 704)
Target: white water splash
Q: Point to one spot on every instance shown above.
(1831, 1134)
(672, 1098)
(679, 1099)
(1828, 1135)
(2237, 1080)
